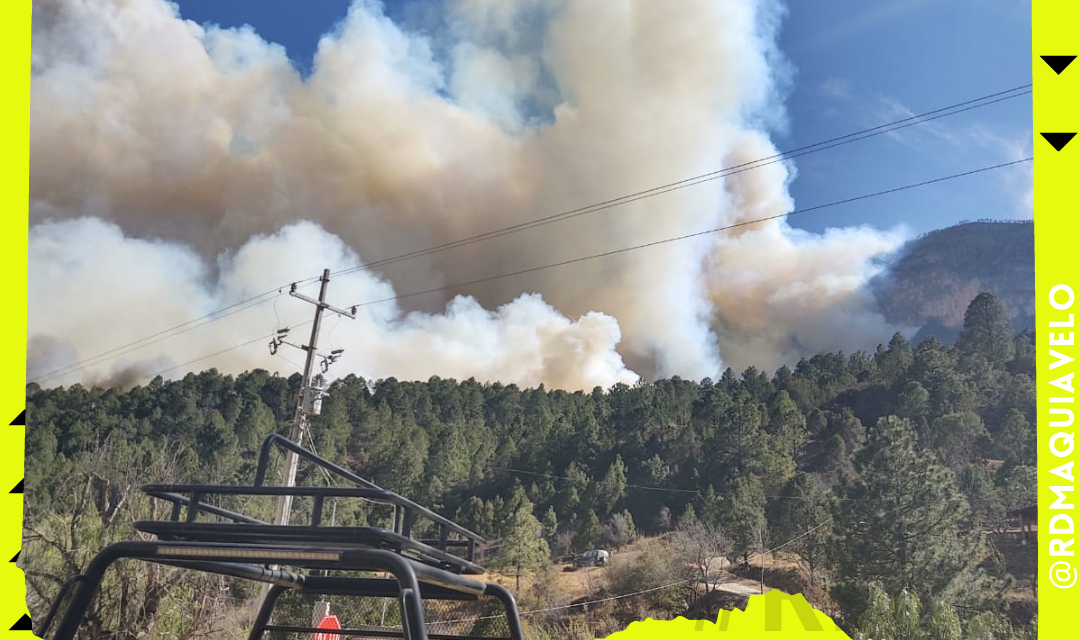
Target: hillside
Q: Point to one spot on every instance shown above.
(933, 278)
(806, 460)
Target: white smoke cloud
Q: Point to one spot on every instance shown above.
(160, 284)
(808, 295)
(208, 139)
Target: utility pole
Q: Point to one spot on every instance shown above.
(310, 400)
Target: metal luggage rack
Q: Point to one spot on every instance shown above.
(189, 502)
(242, 547)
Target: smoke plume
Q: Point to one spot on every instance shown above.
(176, 169)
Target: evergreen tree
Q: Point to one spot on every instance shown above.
(959, 437)
(523, 546)
(893, 362)
(612, 487)
(902, 618)
(588, 532)
(689, 516)
(801, 514)
(1015, 438)
(787, 425)
(899, 523)
(551, 523)
(743, 515)
(987, 330)
(913, 402)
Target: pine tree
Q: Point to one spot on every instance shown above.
(1015, 438)
(743, 514)
(987, 330)
(959, 437)
(899, 523)
(551, 523)
(589, 532)
(523, 545)
(612, 487)
(892, 363)
(802, 515)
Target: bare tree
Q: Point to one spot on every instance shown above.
(703, 549)
(136, 599)
(617, 532)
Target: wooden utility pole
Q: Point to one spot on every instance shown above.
(761, 545)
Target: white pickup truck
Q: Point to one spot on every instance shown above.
(592, 558)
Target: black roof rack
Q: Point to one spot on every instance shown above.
(244, 547)
(188, 500)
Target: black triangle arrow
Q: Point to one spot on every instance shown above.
(1058, 140)
(19, 419)
(16, 558)
(1058, 63)
(23, 624)
(18, 488)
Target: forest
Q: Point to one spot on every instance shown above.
(887, 478)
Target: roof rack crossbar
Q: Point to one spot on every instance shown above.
(242, 571)
(405, 573)
(183, 501)
(297, 491)
(410, 508)
(307, 536)
(388, 588)
(372, 633)
(379, 588)
(410, 585)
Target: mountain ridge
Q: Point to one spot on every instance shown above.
(928, 284)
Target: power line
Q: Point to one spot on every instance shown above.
(253, 301)
(209, 355)
(922, 118)
(625, 595)
(696, 492)
(798, 537)
(171, 332)
(819, 525)
(629, 486)
(619, 251)
(690, 235)
(568, 606)
(154, 338)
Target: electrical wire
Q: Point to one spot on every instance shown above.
(928, 116)
(688, 236)
(625, 595)
(615, 252)
(819, 525)
(629, 486)
(171, 332)
(696, 492)
(253, 301)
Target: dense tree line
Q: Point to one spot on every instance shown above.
(880, 471)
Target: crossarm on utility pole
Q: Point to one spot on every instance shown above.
(299, 427)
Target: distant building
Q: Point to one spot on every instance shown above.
(1027, 519)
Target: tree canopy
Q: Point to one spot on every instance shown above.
(883, 469)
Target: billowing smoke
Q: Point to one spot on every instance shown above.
(154, 284)
(176, 169)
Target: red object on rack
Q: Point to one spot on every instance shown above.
(329, 622)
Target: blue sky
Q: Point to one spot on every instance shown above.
(856, 64)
